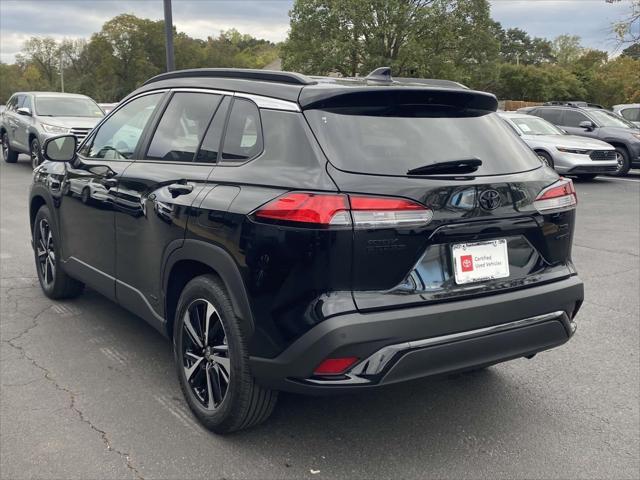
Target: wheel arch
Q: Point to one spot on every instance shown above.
(194, 258)
(36, 202)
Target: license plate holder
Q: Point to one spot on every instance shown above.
(480, 261)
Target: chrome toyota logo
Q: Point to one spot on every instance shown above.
(489, 199)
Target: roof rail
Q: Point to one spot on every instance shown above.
(236, 73)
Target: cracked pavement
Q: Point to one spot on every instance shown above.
(88, 391)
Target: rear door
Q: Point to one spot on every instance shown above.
(156, 194)
(370, 156)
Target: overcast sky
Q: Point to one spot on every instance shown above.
(21, 19)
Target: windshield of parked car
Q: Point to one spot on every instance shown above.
(608, 119)
(535, 126)
(378, 141)
(67, 107)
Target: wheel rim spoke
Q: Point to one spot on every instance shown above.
(189, 371)
(191, 331)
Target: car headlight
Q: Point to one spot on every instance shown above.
(54, 128)
(580, 151)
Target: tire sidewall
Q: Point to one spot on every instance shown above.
(208, 289)
(547, 159)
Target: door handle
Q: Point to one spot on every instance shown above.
(177, 189)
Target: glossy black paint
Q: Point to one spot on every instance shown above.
(138, 230)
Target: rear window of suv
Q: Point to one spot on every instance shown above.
(372, 142)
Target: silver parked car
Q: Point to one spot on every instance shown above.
(31, 117)
(568, 154)
(629, 111)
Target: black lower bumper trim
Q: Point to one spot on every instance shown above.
(364, 334)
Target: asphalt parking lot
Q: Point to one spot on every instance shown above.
(89, 390)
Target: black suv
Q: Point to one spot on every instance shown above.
(313, 235)
(588, 120)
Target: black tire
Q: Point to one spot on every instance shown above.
(55, 283)
(624, 163)
(35, 153)
(587, 176)
(9, 155)
(545, 157)
(242, 403)
(85, 196)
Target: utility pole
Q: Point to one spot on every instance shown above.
(61, 74)
(168, 32)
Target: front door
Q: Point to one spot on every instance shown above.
(91, 193)
(157, 193)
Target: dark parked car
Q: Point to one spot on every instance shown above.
(597, 123)
(313, 235)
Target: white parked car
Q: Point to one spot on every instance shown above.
(567, 154)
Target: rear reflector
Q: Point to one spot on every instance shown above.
(334, 366)
(342, 210)
(557, 197)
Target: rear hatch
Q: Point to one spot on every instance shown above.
(498, 219)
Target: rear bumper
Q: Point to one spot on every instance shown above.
(404, 344)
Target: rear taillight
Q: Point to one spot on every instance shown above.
(557, 197)
(344, 210)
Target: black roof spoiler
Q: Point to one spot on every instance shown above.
(393, 95)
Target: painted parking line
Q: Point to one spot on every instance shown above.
(633, 180)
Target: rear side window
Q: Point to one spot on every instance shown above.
(393, 145)
(243, 138)
(553, 115)
(573, 118)
(210, 147)
(631, 114)
(182, 126)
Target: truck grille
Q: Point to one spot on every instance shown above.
(601, 155)
(80, 133)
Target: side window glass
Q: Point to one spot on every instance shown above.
(243, 138)
(27, 102)
(182, 126)
(20, 101)
(552, 115)
(631, 114)
(118, 136)
(573, 118)
(209, 150)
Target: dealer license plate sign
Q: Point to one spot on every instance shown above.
(480, 261)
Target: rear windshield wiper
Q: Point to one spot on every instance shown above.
(453, 167)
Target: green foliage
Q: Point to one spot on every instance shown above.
(450, 39)
(122, 55)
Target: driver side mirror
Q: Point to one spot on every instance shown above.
(587, 125)
(24, 111)
(61, 148)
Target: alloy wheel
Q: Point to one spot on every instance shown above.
(5, 147)
(35, 158)
(46, 252)
(620, 160)
(205, 353)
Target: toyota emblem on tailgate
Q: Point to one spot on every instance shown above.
(489, 199)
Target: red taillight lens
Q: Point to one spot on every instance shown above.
(305, 207)
(557, 197)
(334, 366)
(339, 210)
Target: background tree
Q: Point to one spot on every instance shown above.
(566, 49)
